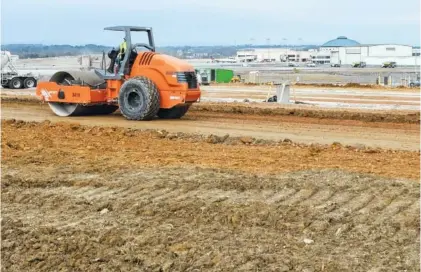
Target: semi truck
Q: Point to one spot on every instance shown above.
(11, 77)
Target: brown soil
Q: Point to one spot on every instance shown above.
(103, 144)
(401, 136)
(276, 110)
(78, 198)
(264, 110)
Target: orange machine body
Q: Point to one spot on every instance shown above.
(161, 69)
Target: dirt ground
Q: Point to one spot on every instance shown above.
(272, 109)
(90, 198)
(397, 130)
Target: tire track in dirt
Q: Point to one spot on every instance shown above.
(335, 205)
(320, 196)
(157, 209)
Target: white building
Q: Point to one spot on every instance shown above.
(341, 50)
(346, 51)
(273, 54)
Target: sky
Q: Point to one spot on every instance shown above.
(212, 22)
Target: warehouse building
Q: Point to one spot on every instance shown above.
(345, 51)
(272, 55)
(341, 50)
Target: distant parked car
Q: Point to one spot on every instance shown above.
(335, 65)
(311, 64)
(390, 64)
(414, 84)
(293, 64)
(359, 64)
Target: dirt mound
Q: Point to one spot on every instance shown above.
(382, 116)
(275, 110)
(25, 142)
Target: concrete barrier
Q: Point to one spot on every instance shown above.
(283, 93)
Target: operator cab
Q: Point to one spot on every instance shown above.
(129, 58)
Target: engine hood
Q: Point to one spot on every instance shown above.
(175, 64)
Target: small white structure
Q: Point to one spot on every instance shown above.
(283, 93)
(254, 77)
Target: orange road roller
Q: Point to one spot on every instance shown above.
(141, 83)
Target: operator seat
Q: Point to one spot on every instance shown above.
(113, 55)
(132, 58)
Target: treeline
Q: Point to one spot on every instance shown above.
(45, 51)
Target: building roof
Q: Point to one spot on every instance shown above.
(341, 41)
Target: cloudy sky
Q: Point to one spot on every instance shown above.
(213, 22)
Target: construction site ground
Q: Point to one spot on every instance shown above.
(353, 96)
(380, 129)
(230, 187)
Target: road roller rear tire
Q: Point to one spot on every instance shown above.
(173, 113)
(139, 99)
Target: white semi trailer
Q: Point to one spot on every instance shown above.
(11, 78)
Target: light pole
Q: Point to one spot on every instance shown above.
(251, 48)
(286, 44)
(268, 44)
(299, 41)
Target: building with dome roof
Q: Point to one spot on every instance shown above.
(340, 41)
(346, 51)
(342, 50)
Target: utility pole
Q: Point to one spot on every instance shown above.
(286, 40)
(299, 40)
(268, 44)
(245, 58)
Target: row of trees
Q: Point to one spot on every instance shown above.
(45, 51)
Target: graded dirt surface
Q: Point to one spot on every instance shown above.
(339, 97)
(351, 96)
(83, 198)
(401, 132)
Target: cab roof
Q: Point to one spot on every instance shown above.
(130, 28)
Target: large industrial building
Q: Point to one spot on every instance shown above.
(346, 51)
(273, 54)
(342, 51)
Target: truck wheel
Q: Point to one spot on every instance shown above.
(139, 99)
(16, 83)
(173, 113)
(29, 82)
